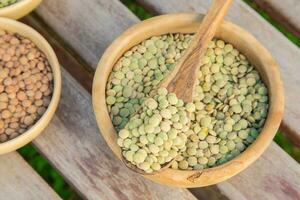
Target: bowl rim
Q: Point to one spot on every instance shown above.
(43, 121)
(16, 5)
(233, 166)
(19, 9)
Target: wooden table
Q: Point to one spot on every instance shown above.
(79, 31)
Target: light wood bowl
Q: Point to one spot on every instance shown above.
(43, 45)
(19, 9)
(188, 23)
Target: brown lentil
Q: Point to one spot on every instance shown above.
(25, 84)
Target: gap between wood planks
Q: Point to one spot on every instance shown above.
(278, 16)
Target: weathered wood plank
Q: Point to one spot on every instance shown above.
(94, 25)
(287, 54)
(54, 19)
(19, 181)
(286, 13)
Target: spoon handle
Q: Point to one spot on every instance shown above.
(182, 83)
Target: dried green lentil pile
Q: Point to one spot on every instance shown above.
(138, 71)
(5, 3)
(26, 84)
(157, 133)
(230, 103)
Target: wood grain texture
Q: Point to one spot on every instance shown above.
(73, 145)
(286, 13)
(286, 53)
(182, 79)
(19, 181)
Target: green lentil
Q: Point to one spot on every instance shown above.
(190, 107)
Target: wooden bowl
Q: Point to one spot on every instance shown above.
(43, 45)
(188, 23)
(19, 9)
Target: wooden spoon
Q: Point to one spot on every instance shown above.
(182, 79)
